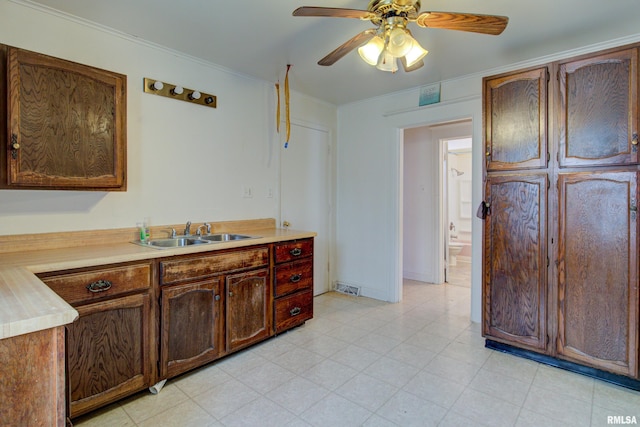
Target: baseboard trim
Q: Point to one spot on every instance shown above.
(566, 365)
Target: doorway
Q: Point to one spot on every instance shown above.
(425, 206)
(457, 201)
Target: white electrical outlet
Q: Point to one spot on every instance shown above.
(247, 192)
(269, 192)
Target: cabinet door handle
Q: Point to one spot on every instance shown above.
(14, 145)
(99, 286)
(217, 297)
(230, 294)
(295, 311)
(634, 139)
(296, 252)
(295, 278)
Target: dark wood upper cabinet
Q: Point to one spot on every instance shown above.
(598, 270)
(598, 111)
(515, 120)
(515, 260)
(66, 124)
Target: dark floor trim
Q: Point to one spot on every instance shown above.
(563, 364)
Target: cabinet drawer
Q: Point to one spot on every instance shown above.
(288, 251)
(294, 276)
(190, 268)
(293, 310)
(77, 288)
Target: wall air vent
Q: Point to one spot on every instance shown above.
(348, 289)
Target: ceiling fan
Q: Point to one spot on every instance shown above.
(391, 39)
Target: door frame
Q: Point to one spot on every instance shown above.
(330, 181)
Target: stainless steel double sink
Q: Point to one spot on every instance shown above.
(182, 241)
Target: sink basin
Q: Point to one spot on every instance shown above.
(175, 243)
(225, 237)
(183, 241)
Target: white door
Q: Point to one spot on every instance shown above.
(304, 193)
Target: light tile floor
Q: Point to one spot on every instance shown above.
(363, 362)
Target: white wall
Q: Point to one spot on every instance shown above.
(185, 162)
(369, 200)
(421, 198)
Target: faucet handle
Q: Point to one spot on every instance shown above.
(187, 229)
(173, 233)
(206, 224)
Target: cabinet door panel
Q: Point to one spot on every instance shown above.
(68, 122)
(249, 308)
(515, 262)
(107, 352)
(191, 326)
(515, 120)
(598, 264)
(598, 110)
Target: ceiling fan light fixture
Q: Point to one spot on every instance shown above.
(370, 52)
(415, 54)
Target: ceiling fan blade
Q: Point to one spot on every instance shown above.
(414, 67)
(475, 23)
(348, 46)
(334, 12)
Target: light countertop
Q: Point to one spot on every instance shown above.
(28, 305)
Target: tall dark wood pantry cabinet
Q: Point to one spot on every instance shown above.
(560, 254)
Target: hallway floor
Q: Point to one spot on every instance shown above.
(362, 362)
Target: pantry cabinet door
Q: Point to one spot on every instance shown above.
(598, 270)
(515, 260)
(515, 120)
(598, 123)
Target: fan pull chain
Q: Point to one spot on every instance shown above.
(286, 101)
(278, 108)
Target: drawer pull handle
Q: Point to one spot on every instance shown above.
(295, 278)
(295, 311)
(296, 252)
(99, 286)
(217, 298)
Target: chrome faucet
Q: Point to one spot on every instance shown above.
(199, 230)
(187, 229)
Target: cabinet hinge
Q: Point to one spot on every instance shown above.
(548, 157)
(547, 262)
(161, 270)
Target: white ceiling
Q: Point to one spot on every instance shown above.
(260, 37)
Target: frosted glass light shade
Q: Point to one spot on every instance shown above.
(415, 54)
(370, 52)
(400, 42)
(387, 62)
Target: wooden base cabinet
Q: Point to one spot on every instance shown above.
(191, 319)
(32, 379)
(107, 352)
(212, 305)
(109, 349)
(248, 308)
(293, 283)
